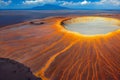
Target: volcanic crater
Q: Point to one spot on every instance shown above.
(90, 25)
(65, 52)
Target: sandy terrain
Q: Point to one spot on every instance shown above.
(54, 53)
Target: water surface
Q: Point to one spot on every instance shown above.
(9, 17)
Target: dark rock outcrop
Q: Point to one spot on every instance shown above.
(37, 23)
(12, 70)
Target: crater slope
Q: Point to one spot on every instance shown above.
(55, 53)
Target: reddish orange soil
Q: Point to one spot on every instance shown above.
(54, 53)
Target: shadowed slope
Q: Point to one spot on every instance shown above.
(54, 53)
(12, 70)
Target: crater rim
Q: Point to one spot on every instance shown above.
(114, 25)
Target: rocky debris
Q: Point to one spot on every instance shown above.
(12, 70)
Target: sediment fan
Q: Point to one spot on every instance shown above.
(55, 53)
